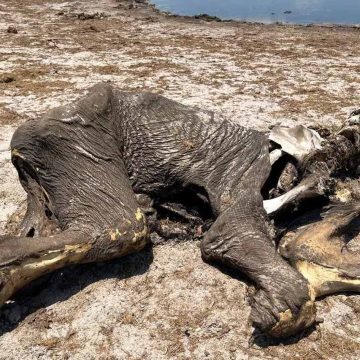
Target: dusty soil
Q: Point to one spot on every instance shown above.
(164, 303)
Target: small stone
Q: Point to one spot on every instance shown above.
(94, 28)
(12, 30)
(7, 79)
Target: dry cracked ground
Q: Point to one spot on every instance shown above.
(164, 303)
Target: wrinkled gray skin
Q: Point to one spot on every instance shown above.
(82, 164)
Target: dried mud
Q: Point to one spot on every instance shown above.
(164, 303)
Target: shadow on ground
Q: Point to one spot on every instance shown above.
(62, 284)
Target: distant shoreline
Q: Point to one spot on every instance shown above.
(212, 18)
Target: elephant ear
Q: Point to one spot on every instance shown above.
(297, 141)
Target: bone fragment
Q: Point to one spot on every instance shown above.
(297, 141)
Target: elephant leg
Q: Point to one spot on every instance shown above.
(240, 238)
(23, 259)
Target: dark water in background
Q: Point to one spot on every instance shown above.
(302, 11)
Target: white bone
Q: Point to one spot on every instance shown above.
(297, 141)
(273, 205)
(275, 155)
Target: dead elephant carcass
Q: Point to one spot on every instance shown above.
(99, 173)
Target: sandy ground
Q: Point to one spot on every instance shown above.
(164, 303)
